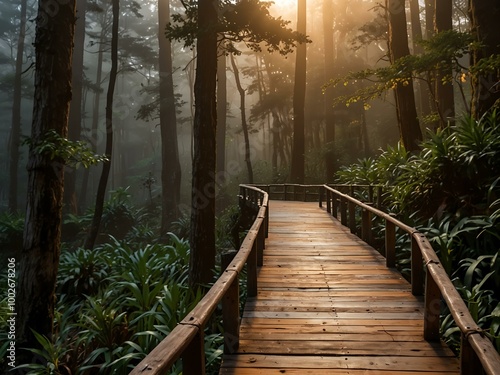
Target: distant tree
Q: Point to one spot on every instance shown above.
(221, 113)
(244, 124)
(171, 168)
(39, 257)
(103, 181)
(299, 95)
(445, 102)
(485, 16)
(409, 126)
(76, 112)
(329, 72)
(15, 133)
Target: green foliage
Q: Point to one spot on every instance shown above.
(73, 153)
(11, 231)
(441, 53)
(247, 21)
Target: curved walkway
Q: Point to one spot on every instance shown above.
(327, 304)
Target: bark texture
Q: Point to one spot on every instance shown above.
(39, 258)
(409, 127)
(202, 234)
(485, 16)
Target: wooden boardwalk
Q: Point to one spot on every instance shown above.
(327, 304)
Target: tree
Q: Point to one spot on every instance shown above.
(445, 102)
(16, 112)
(221, 113)
(409, 126)
(75, 112)
(171, 168)
(202, 234)
(244, 125)
(39, 257)
(299, 96)
(484, 16)
(103, 181)
(329, 72)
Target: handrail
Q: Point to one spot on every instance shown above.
(476, 350)
(186, 339)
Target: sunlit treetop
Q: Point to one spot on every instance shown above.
(443, 52)
(247, 21)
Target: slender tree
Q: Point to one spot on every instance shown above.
(75, 112)
(15, 132)
(103, 181)
(171, 168)
(409, 126)
(299, 95)
(445, 102)
(221, 114)
(485, 15)
(39, 258)
(329, 93)
(244, 125)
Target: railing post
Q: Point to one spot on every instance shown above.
(390, 244)
(343, 211)
(432, 309)
(379, 197)
(193, 358)
(252, 271)
(370, 193)
(260, 240)
(320, 196)
(417, 269)
(334, 205)
(328, 201)
(352, 216)
(469, 361)
(366, 226)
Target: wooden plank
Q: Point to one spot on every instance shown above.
(342, 362)
(302, 371)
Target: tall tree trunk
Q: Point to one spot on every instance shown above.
(244, 125)
(103, 181)
(202, 234)
(221, 115)
(417, 35)
(445, 100)
(75, 110)
(409, 127)
(329, 94)
(15, 132)
(171, 167)
(485, 15)
(430, 14)
(299, 95)
(95, 120)
(39, 258)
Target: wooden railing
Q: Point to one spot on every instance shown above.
(428, 278)
(186, 340)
